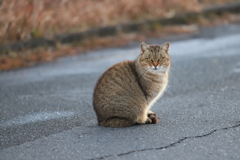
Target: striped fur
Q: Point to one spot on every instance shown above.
(126, 91)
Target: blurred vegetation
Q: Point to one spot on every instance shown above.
(28, 19)
(22, 20)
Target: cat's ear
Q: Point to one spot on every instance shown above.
(166, 46)
(143, 47)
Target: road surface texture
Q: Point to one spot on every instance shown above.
(46, 111)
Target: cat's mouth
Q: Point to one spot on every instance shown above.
(158, 68)
(155, 68)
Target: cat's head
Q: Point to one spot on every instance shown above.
(155, 57)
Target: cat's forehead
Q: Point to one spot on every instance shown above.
(156, 51)
(154, 46)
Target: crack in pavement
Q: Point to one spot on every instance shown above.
(168, 146)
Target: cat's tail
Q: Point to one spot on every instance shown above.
(116, 122)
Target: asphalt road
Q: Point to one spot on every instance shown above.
(46, 110)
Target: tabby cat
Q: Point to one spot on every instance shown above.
(126, 91)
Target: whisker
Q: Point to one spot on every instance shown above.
(171, 68)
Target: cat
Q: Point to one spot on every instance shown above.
(125, 92)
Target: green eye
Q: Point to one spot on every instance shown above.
(149, 59)
(160, 59)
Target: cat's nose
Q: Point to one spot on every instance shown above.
(156, 67)
(155, 64)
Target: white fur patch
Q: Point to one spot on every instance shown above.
(159, 70)
(159, 94)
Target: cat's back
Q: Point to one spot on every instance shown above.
(116, 76)
(117, 84)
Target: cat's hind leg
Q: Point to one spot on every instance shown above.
(116, 122)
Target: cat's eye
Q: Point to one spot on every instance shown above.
(149, 59)
(160, 59)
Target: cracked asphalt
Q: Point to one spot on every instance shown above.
(46, 110)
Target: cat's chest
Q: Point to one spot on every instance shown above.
(155, 86)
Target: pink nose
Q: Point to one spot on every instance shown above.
(155, 64)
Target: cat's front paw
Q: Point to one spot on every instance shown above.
(148, 121)
(153, 118)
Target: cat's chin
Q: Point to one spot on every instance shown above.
(157, 68)
(160, 69)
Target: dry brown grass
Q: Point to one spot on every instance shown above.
(27, 19)
(31, 57)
